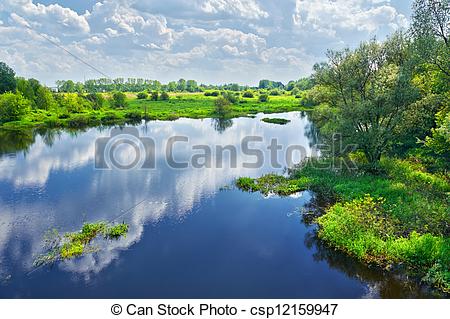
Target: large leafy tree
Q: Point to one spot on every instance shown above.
(369, 91)
(7, 78)
(431, 30)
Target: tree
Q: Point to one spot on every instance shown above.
(142, 95)
(263, 98)
(222, 106)
(96, 99)
(7, 78)
(44, 99)
(181, 85)
(431, 30)
(154, 96)
(372, 91)
(191, 86)
(13, 106)
(164, 96)
(118, 100)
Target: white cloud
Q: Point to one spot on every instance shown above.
(209, 40)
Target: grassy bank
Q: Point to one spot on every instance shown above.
(398, 218)
(191, 105)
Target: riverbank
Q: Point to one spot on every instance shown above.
(189, 105)
(395, 219)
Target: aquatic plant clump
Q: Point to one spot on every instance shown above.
(275, 121)
(71, 245)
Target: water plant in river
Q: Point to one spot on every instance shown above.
(275, 121)
(75, 244)
(396, 218)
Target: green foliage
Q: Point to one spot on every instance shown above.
(248, 94)
(231, 97)
(71, 245)
(275, 92)
(275, 121)
(142, 95)
(13, 106)
(439, 141)
(118, 100)
(222, 106)
(164, 96)
(398, 216)
(373, 91)
(96, 99)
(212, 93)
(44, 99)
(7, 79)
(154, 96)
(263, 98)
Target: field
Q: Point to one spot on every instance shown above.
(191, 105)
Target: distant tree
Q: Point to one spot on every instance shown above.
(234, 87)
(164, 96)
(172, 86)
(13, 106)
(96, 99)
(7, 78)
(247, 94)
(191, 86)
(181, 85)
(66, 86)
(142, 95)
(154, 96)
(119, 100)
(233, 98)
(44, 98)
(263, 98)
(222, 106)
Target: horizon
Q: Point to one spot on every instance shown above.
(241, 42)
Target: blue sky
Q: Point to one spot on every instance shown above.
(212, 41)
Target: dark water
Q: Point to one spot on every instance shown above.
(190, 235)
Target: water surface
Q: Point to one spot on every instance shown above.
(191, 235)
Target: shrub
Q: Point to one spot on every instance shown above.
(13, 106)
(263, 98)
(164, 96)
(154, 96)
(142, 95)
(247, 94)
(275, 92)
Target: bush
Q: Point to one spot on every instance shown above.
(222, 106)
(263, 98)
(13, 106)
(118, 100)
(247, 94)
(142, 95)
(164, 96)
(212, 93)
(154, 96)
(275, 92)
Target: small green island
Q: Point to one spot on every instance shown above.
(275, 121)
(75, 244)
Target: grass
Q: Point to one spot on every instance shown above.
(75, 244)
(275, 121)
(190, 105)
(398, 217)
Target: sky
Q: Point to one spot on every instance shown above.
(211, 41)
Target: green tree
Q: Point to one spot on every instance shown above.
(96, 99)
(191, 86)
(119, 100)
(13, 106)
(164, 96)
(7, 78)
(181, 85)
(154, 96)
(44, 98)
(373, 91)
(222, 106)
(431, 30)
